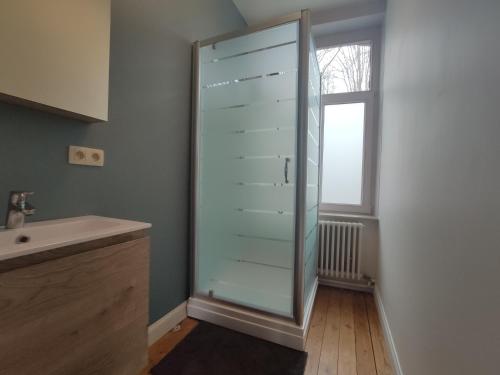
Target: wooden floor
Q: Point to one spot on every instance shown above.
(345, 337)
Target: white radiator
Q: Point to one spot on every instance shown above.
(340, 250)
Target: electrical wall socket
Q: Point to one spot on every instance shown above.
(86, 156)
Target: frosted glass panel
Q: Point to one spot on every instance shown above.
(247, 161)
(250, 92)
(251, 43)
(343, 153)
(257, 65)
(313, 141)
(259, 117)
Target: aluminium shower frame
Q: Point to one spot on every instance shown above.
(303, 18)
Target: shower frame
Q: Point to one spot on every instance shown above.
(290, 332)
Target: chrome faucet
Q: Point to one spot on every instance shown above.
(18, 209)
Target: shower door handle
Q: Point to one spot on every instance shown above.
(287, 160)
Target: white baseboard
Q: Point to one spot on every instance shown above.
(275, 329)
(387, 333)
(166, 323)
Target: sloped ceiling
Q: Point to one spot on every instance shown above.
(255, 11)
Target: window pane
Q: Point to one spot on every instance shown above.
(345, 68)
(343, 153)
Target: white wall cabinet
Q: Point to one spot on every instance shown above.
(54, 56)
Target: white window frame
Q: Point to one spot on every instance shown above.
(370, 99)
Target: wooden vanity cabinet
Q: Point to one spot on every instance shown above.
(78, 310)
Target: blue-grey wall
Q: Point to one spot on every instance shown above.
(146, 174)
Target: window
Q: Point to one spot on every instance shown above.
(349, 83)
(345, 68)
(343, 156)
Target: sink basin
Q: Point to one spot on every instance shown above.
(51, 234)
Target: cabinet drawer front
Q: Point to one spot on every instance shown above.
(85, 313)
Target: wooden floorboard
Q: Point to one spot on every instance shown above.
(382, 360)
(365, 361)
(345, 336)
(347, 340)
(330, 348)
(314, 340)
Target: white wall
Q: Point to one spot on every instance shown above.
(439, 267)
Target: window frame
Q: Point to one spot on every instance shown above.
(370, 133)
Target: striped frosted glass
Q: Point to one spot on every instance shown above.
(251, 92)
(260, 64)
(313, 130)
(256, 117)
(246, 203)
(252, 42)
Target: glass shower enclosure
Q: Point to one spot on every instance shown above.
(255, 159)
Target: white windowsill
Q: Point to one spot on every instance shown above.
(347, 216)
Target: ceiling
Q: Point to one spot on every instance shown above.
(255, 11)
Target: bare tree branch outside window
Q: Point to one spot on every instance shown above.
(345, 68)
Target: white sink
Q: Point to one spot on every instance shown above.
(51, 234)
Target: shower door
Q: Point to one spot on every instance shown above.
(245, 188)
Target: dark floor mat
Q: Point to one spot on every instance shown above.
(213, 350)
